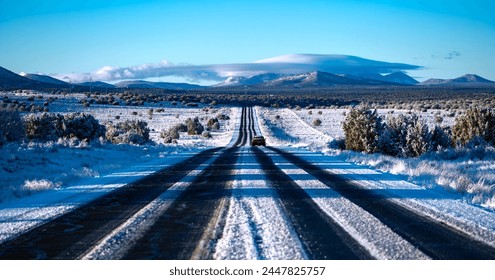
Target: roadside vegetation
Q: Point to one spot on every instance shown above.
(83, 127)
(410, 135)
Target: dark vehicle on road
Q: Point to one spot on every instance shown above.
(258, 141)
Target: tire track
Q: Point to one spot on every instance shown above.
(322, 237)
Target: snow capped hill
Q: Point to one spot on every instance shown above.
(316, 79)
(9, 79)
(248, 81)
(312, 79)
(468, 79)
(43, 79)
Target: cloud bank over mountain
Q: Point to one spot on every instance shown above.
(286, 64)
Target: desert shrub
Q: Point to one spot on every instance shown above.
(213, 124)
(11, 125)
(392, 138)
(181, 127)
(418, 138)
(316, 122)
(361, 129)
(404, 135)
(81, 126)
(440, 139)
(206, 134)
(474, 123)
(171, 134)
(128, 132)
(222, 117)
(438, 119)
(50, 127)
(194, 127)
(44, 127)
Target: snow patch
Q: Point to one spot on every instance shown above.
(39, 185)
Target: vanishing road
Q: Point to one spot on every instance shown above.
(244, 202)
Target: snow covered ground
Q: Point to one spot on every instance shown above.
(468, 171)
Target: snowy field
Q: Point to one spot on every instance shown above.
(29, 168)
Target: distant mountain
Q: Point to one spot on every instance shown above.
(399, 78)
(317, 79)
(432, 82)
(321, 79)
(311, 79)
(248, 81)
(466, 80)
(97, 84)
(9, 79)
(44, 79)
(162, 85)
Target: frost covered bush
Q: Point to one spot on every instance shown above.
(172, 133)
(81, 126)
(128, 132)
(194, 127)
(213, 124)
(206, 134)
(361, 129)
(418, 137)
(50, 127)
(10, 126)
(44, 127)
(440, 139)
(316, 122)
(474, 123)
(222, 117)
(405, 136)
(392, 138)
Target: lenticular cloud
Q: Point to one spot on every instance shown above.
(287, 64)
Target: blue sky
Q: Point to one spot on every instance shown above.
(447, 38)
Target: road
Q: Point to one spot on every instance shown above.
(244, 202)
